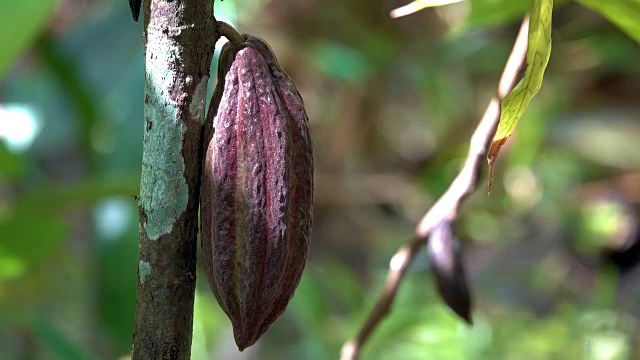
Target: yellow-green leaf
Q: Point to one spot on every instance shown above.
(623, 13)
(20, 23)
(539, 49)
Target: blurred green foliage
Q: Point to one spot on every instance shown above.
(20, 23)
(392, 104)
(624, 13)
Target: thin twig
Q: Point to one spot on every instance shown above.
(447, 206)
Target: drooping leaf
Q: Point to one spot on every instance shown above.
(538, 52)
(623, 13)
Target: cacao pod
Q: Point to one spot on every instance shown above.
(445, 255)
(257, 189)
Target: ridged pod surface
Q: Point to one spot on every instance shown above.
(257, 189)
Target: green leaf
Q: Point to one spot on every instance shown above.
(86, 192)
(117, 288)
(20, 22)
(495, 12)
(538, 52)
(341, 62)
(32, 228)
(539, 49)
(623, 13)
(31, 234)
(12, 166)
(57, 342)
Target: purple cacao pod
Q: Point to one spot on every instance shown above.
(257, 189)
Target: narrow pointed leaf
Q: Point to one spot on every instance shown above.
(538, 52)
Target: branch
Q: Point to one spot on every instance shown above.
(179, 43)
(446, 207)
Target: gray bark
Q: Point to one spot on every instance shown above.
(179, 41)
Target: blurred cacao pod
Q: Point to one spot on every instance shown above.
(257, 189)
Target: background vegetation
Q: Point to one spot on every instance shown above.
(551, 254)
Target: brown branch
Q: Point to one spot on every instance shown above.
(446, 207)
(179, 41)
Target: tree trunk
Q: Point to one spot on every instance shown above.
(179, 41)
